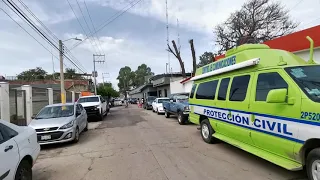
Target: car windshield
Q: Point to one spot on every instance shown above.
(182, 97)
(162, 100)
(88, 99)
(307, 77)
(55, 112)
(150, 99)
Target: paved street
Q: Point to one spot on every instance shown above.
(136, 144)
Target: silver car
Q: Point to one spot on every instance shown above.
(58, 123)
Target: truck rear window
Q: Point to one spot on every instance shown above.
(307, 77)
(88, 99)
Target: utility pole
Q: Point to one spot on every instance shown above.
(94, 73)
(104, 76)
(62, 89)
(63, 93)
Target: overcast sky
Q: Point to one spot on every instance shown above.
(138, 36)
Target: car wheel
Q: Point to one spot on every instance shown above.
(166, 114)
(313, 164)
(86, 128)
(181, 118)
(153, 110)
(207, 131)
(76, 136)
(24, 171)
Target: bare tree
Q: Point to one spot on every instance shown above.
(176, 53)
(194, 59)
(257, 21)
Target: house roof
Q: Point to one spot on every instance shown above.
(177, 74)
(296, 41)
(139, 89)
(293, 42)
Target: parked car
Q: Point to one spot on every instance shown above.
(133, 101)
(19, 151)
(178, 105)
(148, 102)
(58, 123)
(95, 106)
(157, 105)
(117, 102)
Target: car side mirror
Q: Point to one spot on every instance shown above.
(277, 96)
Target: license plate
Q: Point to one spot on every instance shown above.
(47, 137)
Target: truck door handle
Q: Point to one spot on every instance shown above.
(8, 148)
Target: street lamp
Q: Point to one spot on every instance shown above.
(63, 93)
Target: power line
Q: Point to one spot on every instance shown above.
(94, 28)
(30, 34)
(93, 38)
(31, 24)
(23, 16)
(80, 26)
(109, 21)
(50, 32)
(296, 4)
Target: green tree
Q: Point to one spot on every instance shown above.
(106, 90)
(33, 74)
(205, 58)
(139, 76)
(256, 22)
(125, 78)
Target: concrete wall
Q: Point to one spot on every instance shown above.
(162, 88)
(176, 87)
(188, 86)
(305, 55)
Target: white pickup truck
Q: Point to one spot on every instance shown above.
(19, 150)
(95, 106)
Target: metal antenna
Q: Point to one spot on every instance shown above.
(178, 34)
(168, 33)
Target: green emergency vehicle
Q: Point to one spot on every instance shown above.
(264, 101)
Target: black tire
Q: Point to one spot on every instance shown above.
(86, 128)
(101, 117)
(24, 171)
(206, 134)
(76, 136)
(181, 118)
(153, 110)
(166, 114)
(313, 157)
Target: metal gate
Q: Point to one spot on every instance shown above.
(40, 99)
(18, 111)
(68, 96)
(56, 97)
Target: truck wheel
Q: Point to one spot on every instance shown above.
(313, 164)
(166, 114)
(24, 171)
(181, 118)
(207, 131)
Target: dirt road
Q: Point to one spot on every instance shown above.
(135, 144)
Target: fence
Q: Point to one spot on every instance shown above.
(56, 97)
(40, 99)
(17, 100)
(68, 96)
